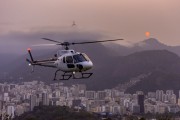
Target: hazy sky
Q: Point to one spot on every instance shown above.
(128, 19)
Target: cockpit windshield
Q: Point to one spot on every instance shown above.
(79, 58)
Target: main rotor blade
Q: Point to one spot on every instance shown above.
(95, 41)
(51, 40)
(44, 45)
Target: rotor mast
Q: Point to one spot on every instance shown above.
(66, 45)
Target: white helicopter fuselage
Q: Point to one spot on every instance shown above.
(67, 61)
(71, 61)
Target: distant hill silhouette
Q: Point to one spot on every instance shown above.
(147, 44)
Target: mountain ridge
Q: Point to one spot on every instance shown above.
(147, 44)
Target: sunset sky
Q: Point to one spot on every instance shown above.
(128, 19)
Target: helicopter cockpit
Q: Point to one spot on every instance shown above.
(80, 58)
(77, 58)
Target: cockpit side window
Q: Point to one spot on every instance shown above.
(69, 59)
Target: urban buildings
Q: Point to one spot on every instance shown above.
(15, 99)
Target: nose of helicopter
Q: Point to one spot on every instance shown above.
(88, 65)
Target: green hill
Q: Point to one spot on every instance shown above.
(56, 113)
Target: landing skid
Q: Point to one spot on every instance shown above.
(68, 75)
(83, 76)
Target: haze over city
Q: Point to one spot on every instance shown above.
(25, 21)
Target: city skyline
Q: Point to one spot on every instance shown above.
(15, 99)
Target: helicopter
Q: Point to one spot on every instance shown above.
(67, 60)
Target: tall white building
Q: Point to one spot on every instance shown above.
(10, 111)
(33, 102)
(173, 99)
(90, 95)
(159, 95)
(170, 94)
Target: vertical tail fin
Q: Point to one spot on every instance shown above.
(30, 61)
(29, 51)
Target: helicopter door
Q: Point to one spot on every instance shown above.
(70, 62)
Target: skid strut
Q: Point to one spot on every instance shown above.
(65, 76)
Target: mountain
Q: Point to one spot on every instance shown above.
(162, 66)
(147, 44)
(151, 44)
(123, 69)
(154, 44)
